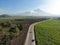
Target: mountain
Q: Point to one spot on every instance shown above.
(4, 15)
(36, 12)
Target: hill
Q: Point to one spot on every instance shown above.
(4, 15)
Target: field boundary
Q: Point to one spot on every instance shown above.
(34, 31)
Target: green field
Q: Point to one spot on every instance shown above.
(48, 32)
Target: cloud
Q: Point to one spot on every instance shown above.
(35, 12)
(3, 11)
(51, 6)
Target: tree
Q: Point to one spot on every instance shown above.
(20, 26)
(6, 24)
(5, 40)
(14, 32)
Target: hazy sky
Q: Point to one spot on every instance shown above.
(16, 6)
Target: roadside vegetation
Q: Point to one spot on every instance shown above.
(14, 31)
(48, 32)
(9, 29)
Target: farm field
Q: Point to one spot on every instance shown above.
(48, 32)
(14, 31)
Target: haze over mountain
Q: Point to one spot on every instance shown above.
(4, 15)
(30, 7)
(36, 12)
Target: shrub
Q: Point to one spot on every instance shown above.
(20, 27)
(14, 32)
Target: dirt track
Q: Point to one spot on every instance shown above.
(20, 40)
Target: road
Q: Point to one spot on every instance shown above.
(31, 35)
(30, 39)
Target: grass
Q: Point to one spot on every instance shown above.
(48, 33)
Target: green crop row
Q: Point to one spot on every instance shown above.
(48, 32)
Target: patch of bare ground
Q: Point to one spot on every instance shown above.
(20, 40)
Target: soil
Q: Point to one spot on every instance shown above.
(20, 40)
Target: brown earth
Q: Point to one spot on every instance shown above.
(22, 35)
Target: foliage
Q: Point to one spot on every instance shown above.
(20, 26)
(48, 33)
(5, 40)
(14, 32)
(5, 24)
(8, 31)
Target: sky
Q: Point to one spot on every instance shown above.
(17, 6)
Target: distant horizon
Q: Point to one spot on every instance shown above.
(29, 15)
(30, 7)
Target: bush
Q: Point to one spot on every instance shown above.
(0, 28)
(5, 24)
(14, 32)
(20, 27)
(5, 40)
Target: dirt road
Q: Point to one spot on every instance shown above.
(30, 40)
